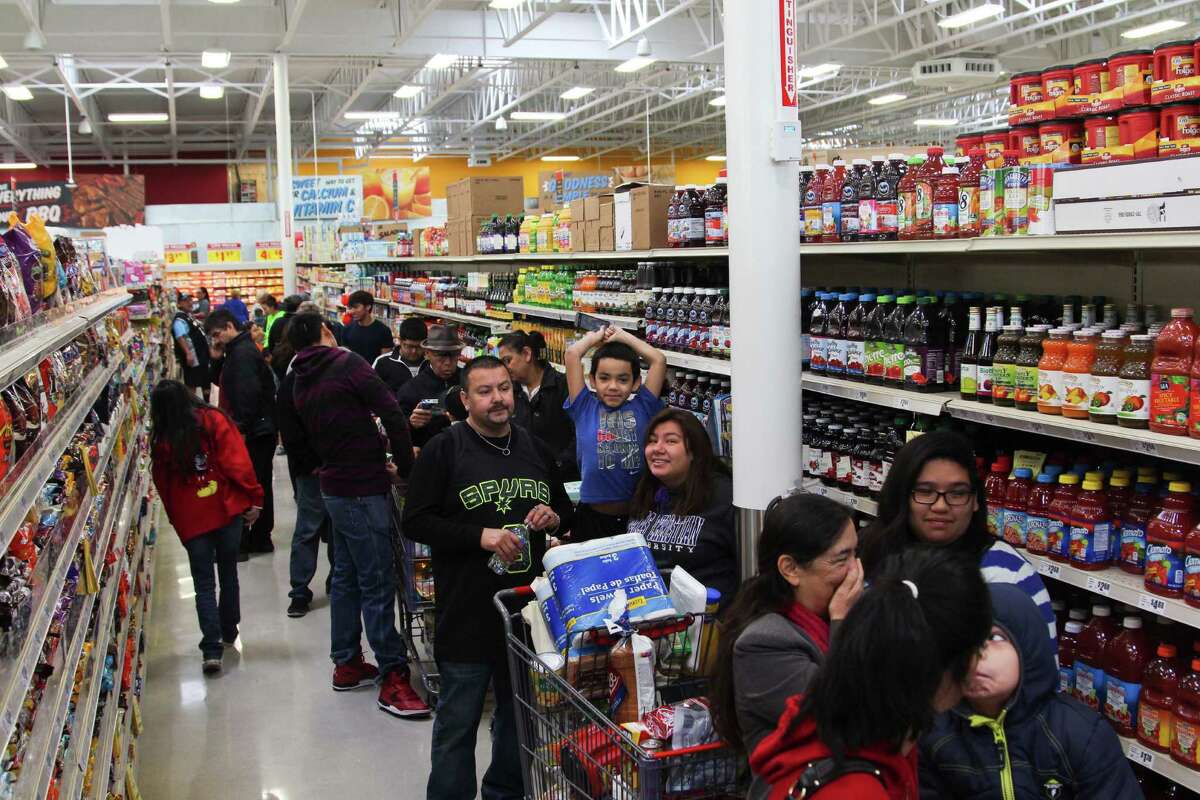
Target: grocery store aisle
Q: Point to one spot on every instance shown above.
(268, 726)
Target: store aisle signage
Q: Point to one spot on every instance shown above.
(787, 53)
(224, 252)
(337, 197)
(180, 253)
(95, 201)
(268, 251)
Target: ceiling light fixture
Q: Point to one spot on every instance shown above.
(17, 92)
(85, 127)
(3, 63)
(537, 116)
(408, 91)
(577, 93)
(1154, 28)
(132, 119)
(17, 165)
(717, 101)
(372, 115)
(935, 122)
(501, 123)
(440, 61)
(215, 59)
(224, 2)
(560, 158)
(819, 71)
(641, 60)
(212, 91)
(505, 5)
(885, 99)
(972, 15)
(714, 158)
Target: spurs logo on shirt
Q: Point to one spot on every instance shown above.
(668, 532)
(502, 492)
(617, 445)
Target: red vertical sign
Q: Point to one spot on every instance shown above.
(787, 52)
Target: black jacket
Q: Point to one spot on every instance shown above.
(302, 458)
(247, 387)
(393, 370)
(545, 418)
(197, 375)
(1058, 747)
(424, 387)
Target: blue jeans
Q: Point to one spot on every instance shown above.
(217, 619)
(456, 725)
(364, 581)
(311, 520)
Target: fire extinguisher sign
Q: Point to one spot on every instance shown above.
(787, 52)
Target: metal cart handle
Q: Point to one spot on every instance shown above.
(501, 599)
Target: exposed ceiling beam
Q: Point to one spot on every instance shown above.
(253, 113)
(291, 22)
(87, 107)
(623, 13)
(14, 116)
(409, 14)
(517, 23)
(171, 116)
(164, 16)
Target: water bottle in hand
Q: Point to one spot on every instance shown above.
(497, 564)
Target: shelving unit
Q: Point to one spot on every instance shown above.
(508, 258)
(23, 354)
(1161, 763)
(494, 325)
(1076, 242)
(568, 315)
(864, 504)
(886, 396)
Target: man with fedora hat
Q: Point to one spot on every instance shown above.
(421, 398)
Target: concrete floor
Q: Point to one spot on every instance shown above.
(269, 726)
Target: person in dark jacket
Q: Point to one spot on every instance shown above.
(1015, 736)
(405, 360)
(191, 347)
(339, 397)
(541, 393)
(442, 350)
(248, 395)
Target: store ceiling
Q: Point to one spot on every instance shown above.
(143, 56)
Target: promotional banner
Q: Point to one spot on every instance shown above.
(96, 201)
(337, 197)
(397, 194)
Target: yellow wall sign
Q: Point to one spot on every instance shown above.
(224, 252)
(268, 251)
(180, 253)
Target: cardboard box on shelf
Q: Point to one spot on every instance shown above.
(597, 208)
(1148, 178)
(640, 216)
(578, 210)
(607, 240)
(578, 237)
(474, 197)
(1173, 212)
(591, 237)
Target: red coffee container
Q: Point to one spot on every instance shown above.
(1174, 60)
(1101, 131)
(1132, 67)
(1179, 121)
(1057, 82)
(1139, 127)
(964, 144)
(1025, 88)
(1059, 134)
(1025, 140)
(1091, 77)
(995, 143)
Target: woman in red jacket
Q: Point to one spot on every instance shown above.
(204, 476)
(901, 656)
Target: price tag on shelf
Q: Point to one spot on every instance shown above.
(861, 395)
(1099, 586)
(1141, 755)
(1050, 569)
(904, 403)
(1036, 427)
(1089, 437)
(1148, 602)
(1149, 448)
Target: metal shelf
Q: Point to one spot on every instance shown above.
(568, 315)
(1007, 244)
(886, 396)
(1161, 763)
(1116, 585)
(864, 504)
(226, 266)
(46, 336)
(494, 325)
(626, 255)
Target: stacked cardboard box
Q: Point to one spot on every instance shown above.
(598, 223)
(472, 202)
(641, 216)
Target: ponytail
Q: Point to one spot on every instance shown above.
(519, 340)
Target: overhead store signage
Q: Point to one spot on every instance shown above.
(268, 251)
(337, 197)
(224, 252)
(560, 187)
(787, 52)
(96, 201)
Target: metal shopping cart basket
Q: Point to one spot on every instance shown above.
(414, 591)
(571, 750)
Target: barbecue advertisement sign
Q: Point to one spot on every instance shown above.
(95, 201)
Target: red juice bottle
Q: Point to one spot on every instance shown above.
(1125, 661)
(1165, 538)
(1142, 508)
(926, 183)
(1120, 494)
(1016, 507)
(1156, 707)
(994, 490)
(968, 195)
(1068, 643)
(906, 205)
(945, 204)
(831, 203)
(1091, 527)
(1089, 657)
(1170, 374)
(1186, 733)
(813, 215)
(1037, 517)
(1191, 568)
(887, 198)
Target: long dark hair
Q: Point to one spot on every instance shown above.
(175, 429)
(519, 340)
(697, 490)
(890, 655)
(890, 533)
(802, 526)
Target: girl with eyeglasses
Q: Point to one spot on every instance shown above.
(932, 495)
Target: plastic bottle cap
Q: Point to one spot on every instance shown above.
(1182, 487)
(1093, 475)
(999, 467)
(1165, 651)
(1092, 486)
(1181, 313)
(1171, 475)
(866, 298)
(885, 298)
(1196, 665)
(1080, 614)
(1113, 335)
(1045, 477)
(1074, 627)
(1132, 623)
(1100, 610)
(895, 156)
(1119, 481)
(823, 166)
(1023, 472)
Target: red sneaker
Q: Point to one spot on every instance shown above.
(398, 698)
(353, 674)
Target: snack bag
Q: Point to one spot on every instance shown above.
(41, 238)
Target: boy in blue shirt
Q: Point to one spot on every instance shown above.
(610, 424)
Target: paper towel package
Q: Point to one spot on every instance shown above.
(585, 577)
(550, 612)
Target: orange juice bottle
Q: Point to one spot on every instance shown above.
(1170, 374)
(1077, 371)
(1050, 371)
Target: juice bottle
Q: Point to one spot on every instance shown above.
(868, 215)
(874, 349)
(818, 342)
(856, 337)
(1156, 708)
(1037, 517)
(813, 215)
(1091, 527)
(545, 233)
(673, 210)
(1004, 366)
(714, 213)
(850, 221)
(1165, 537)
(1077, 370)
(1102, 388)
(1133, 383)
(1170, 374)
(906, 204)
(1142, 508)
(945, 204)
(1089, 657)
(995, 489)
(1120, 495)
(924, 350)
(1194, 402)
(968, 378)
(525, 241)
(987, 350)
(1050, 374)
(1125, 662)
(952, 318)
(893, 333)
(831, 203)
(835, 330)
(1185, 735)
(1028, 358)
(1016, 507)
(1191, 568)
(1068, 643)
(968, 194)
(926, 181)
(886, 198)
(845, 465)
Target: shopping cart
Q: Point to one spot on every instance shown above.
(414, 591)
(571, 750)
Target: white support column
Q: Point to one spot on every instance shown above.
(764, 269)
(283, 186)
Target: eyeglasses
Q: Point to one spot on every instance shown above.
(953, 497)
